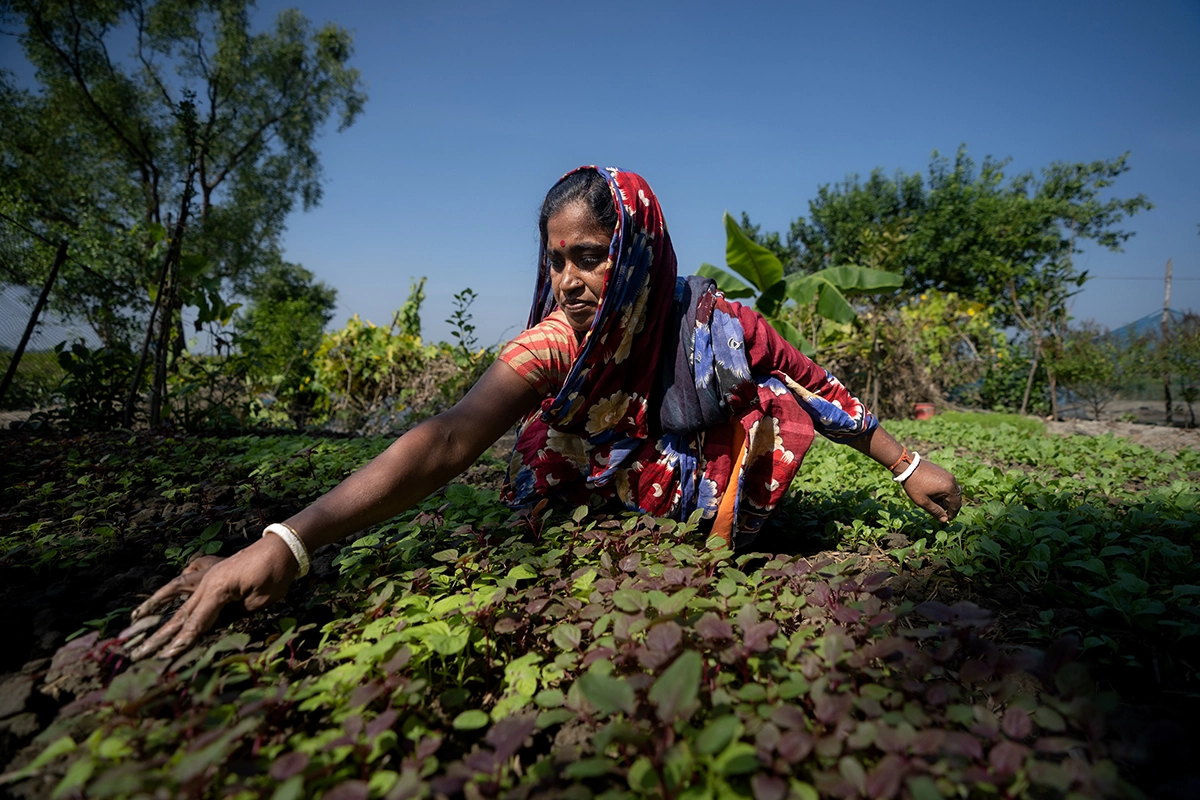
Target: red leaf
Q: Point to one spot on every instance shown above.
(884, 780)
(795, 746)
(768, 787)
(348, 790)
(288, 765)
(710, 626)
(1007, 757)
(1016, 723)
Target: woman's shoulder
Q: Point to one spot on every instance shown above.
(543, 354)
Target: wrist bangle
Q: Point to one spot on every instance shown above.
(294, 543)
(903, 476)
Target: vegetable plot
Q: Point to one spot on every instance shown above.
(461, 650)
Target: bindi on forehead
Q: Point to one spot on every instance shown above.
(562, 242)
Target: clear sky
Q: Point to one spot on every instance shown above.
(476, 108)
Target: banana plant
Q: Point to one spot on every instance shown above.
(827, 288)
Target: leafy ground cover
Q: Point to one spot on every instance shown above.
(861, 651)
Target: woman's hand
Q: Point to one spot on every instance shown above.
(253, 578)
(935, 490)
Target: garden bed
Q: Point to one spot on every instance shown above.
(463, 649)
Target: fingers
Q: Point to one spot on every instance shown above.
(184, 584)
(161, 636)
(202, 563)
(199, 620)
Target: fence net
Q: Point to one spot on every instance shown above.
(25, 259)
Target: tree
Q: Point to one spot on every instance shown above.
(1092, 364)
(196, 146)
(965, 229)
(282, 329)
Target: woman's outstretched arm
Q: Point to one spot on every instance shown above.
(414, 466)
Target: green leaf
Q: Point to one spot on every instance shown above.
(608, 694)
(749, 259)
(522, 571)
(717, 734)
(792, 335)
(471, 720)
(737, 759)
(589, 768)
(676, 689)
(77, 775)
(642, 777)
(851, 280)
(733, 287)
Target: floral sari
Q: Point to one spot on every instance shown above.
(677, 400)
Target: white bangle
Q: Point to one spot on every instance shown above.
(903, 476)
(294, 543)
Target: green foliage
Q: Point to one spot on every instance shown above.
(161, 195)
(825, 290)
(36, 380)
(967, 229)
(954, 338)
(283, 328)
(92, 388)
(1093, 365)
(461, 648)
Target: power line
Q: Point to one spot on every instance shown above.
(1138, 278)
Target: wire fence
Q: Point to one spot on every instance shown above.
(22, 257)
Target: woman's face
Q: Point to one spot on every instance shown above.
(577, 251)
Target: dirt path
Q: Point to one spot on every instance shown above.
(1156, 437)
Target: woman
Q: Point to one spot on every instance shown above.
(656, 393)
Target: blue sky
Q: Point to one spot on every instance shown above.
(476, 108)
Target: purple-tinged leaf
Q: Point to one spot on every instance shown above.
(675, 576)
(664, 637)
(886, 649)
(481, 760)
(847, 615)
(710, 626)
(758, 636)
(536, 606)
(933, 610)
(288, 765)
(765, 742)
(427, 747)
(968, 614)
(398, 662)
(366, 693)
(596, 654)
(348, 790)
(676, 690)
(894, 739)
(831, 708)
(605, 586)
(353, 725)
(822, 595)
(630, 562)
(852, 770)
(1016, 723)
(508, 624)
(975, 671)
(937, 694)
(1056, 744)
(747, 617)
(768, 787)
(629, 600)
(381, 723)
(508, 734)
(927, 742)
(789, 716)
(945, 651)
(963, 744)
(883, 781)
(795, 746)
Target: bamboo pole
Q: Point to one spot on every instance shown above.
(11, 372)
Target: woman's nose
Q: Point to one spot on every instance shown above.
(570, 276)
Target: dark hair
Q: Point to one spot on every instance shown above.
(587, 186)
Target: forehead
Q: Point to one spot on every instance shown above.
(575, 221)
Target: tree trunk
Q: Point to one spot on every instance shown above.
(10, 373)
(1037, 351)
(1166, 318)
